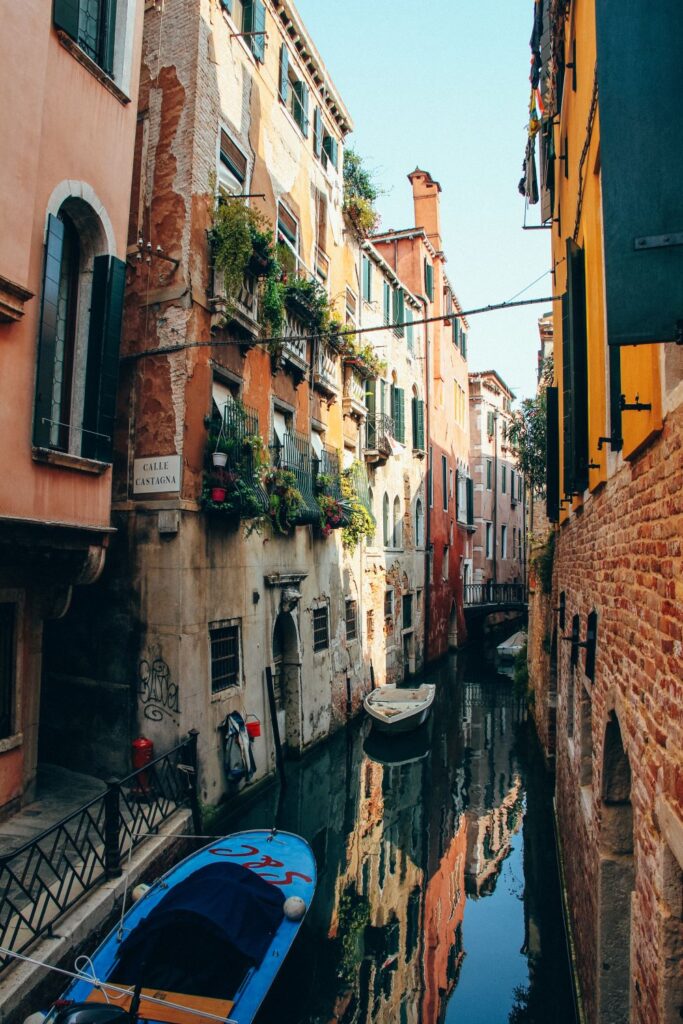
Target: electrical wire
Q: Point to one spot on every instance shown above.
(539, 278)
(348, 332)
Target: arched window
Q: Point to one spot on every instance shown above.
(385, 520)
(79, 335)
(397, 531)
(371, 502)
(419, 524)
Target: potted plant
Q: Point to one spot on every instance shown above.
(285, 499)
(219, 481)
(331, 513)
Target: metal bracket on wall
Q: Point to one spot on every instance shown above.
(636, 406)
(615, 442)
(658, 241)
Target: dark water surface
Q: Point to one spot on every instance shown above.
(438, 897)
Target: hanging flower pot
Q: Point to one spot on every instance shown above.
(218, 495)
(219, 458)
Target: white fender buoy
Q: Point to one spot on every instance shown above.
(36, 1018)
(294, 908)
(139, 891)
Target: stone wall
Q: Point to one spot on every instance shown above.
(620, 808)
(542, 643)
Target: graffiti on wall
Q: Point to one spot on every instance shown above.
(157, 693)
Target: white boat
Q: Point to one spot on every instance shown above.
(510, 648)
(399, 708)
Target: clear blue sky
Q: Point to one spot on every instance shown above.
(445, 86)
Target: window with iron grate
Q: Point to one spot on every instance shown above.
(225, 655)
(321, 633)
(351, 620)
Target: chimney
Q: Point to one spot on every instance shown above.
(426, 202)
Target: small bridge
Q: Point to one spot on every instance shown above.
(486, 598)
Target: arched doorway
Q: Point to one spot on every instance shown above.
(287, 681)
(616, 880)
(453, 627)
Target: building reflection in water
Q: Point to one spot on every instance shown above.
(406, 831)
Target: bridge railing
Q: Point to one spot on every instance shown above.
(493, 593)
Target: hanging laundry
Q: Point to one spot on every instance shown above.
(238, 757)
(535, 44)
(528, 183)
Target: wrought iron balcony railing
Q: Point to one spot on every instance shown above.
(295, 454)
(240, 440)
(379, 431)
(358, 478)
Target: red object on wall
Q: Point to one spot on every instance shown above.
(142, 751)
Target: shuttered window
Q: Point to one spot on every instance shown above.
(284, 73)
(321, 633)
(489, 473)
(399, 311)
(397, 399)
(489, 424)
(470, 501)
(232, 166)
(429, 279)
(552, 486)
(54, 425)
(317, 132)
(254, 27)
(386, 303)
(575, 374)
(367, 278)
(330, 150)
(410, 330)
(418, 411)
(444, 482)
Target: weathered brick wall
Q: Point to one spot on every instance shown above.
(622, 557)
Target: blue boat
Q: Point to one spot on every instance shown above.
(205, 942)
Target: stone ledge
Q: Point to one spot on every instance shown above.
(12, 299)
(75, 929)
(95, 70)
(68, 461)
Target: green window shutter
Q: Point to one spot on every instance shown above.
(455, 326)
(429, 279)
(102, 369)
(489, 424)
(382, 396)
(398, 309)
(304, 109)
(284, 73)
(398, 413)
(574, 374)
(489, 466)
(109, 36)
(463, 344)
(410, 331)
(47, 332)
(418, 424)
(65, 16)
(317, 132)
(387, 302)
(331, 149)
(552, 484)
(258, 24)
(470, 501)
(504, 478)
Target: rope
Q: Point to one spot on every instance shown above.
(106, 986)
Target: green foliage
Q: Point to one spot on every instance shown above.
(284, 499)
(354, 917)
(360, 522)
(542, 564)
(527, 433)
(363, 356)
(360, 194)
(331, 513)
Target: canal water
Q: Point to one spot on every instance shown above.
(438, 895)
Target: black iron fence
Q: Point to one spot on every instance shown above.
(379, 430)
(295, 454)
(493, 593)
(43, 879)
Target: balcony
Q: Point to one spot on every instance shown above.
(295, 456)
(357, 476)
(325, 378)
(379, 432)
(354, 394)
(242, 313)
(235, 488)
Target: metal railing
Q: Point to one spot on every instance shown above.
(493, 593)
(296, 455)
(328, 465)
(239, 440)
(379, 430)
(358, 478)
(44, 878)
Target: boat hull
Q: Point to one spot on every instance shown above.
(281, 859)
(398, 710)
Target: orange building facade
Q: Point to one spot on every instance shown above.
(64, 187)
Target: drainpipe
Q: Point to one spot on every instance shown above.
(428, 517)
(495, 496)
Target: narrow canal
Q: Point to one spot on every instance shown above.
(438, 895)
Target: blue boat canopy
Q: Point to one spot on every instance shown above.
(227, 902)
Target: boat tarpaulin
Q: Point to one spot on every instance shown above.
(228, 901)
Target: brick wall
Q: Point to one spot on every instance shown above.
(622, 557)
